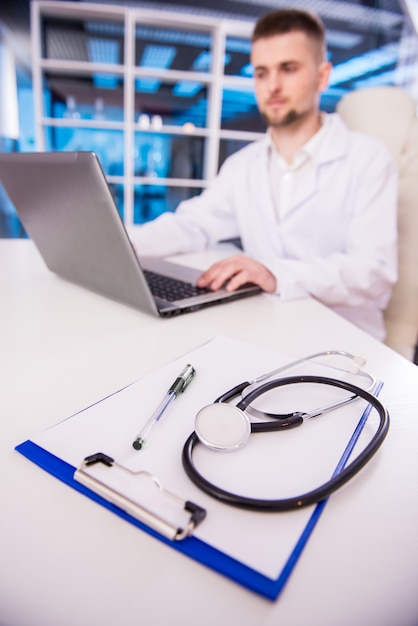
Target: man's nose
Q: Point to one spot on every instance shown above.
(274, 82)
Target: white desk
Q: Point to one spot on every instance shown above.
(64, 561)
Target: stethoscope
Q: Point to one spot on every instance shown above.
(225, 427)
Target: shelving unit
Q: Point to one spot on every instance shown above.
(141, 119)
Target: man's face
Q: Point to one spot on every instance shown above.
(289, 77)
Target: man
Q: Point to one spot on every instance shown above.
(313, 203)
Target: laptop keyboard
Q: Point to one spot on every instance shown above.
(171, 289)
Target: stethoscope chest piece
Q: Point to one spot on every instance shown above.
(222, 427)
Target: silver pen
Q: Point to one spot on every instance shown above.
(179, 385)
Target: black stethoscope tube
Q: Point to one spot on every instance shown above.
(311, 497)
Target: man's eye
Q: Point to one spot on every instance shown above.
(289, 69)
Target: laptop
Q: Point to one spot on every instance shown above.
(66, 206)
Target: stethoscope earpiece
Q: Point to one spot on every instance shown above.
(225, 427)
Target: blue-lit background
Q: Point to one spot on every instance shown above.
(369, 42)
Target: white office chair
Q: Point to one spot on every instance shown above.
(390, 114)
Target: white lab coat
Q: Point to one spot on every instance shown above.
(338, 241)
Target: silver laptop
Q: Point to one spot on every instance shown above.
(65, 205)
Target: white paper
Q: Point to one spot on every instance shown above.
(272, 465)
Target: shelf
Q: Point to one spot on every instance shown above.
(186, 100)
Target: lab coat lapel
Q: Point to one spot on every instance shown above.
(333, 146)
(259, 231)
(259, 181)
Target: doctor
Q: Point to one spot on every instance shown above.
(313, 203)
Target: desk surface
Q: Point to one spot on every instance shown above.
(67, 562)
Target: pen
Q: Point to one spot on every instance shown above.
(179, 385)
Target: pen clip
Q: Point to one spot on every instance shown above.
(183, 380)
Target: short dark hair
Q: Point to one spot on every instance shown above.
(282, 21)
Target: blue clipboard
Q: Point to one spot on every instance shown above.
(192, 546)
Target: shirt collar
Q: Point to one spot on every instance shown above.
(309, 150)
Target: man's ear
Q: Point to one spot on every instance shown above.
(324, 75)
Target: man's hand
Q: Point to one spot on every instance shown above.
(236, 271)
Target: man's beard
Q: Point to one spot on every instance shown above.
(290, 118)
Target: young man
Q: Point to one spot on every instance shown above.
(313, 203)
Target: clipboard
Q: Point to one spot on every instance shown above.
(219, 363)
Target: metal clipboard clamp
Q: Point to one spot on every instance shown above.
(168, 530)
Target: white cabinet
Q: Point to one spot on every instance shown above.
(161, 97)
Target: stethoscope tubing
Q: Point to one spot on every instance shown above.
(312, 497)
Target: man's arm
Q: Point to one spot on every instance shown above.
(197, 224)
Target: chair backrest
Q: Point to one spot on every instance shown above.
(390, 114)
